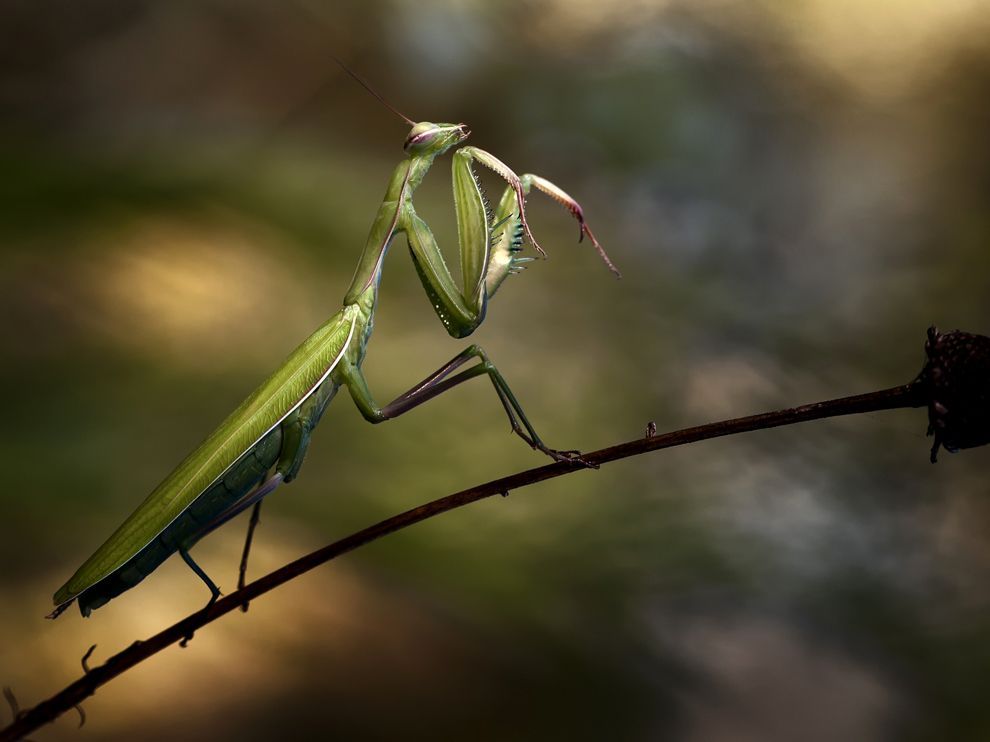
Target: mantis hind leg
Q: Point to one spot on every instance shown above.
(214, 590)
(444, 379)
(254, 497)
(242, 567)
(296, 431)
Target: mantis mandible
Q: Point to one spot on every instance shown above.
(263, 442)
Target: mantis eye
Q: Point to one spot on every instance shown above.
(420, 135)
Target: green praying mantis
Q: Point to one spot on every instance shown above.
(263, 442)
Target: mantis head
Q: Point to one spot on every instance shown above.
(427, 138)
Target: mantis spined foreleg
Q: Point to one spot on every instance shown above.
(263, 442)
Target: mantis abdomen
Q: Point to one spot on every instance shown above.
(194, 522)
(238, 489)
(224, 475)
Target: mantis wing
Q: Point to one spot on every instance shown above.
(300, 375)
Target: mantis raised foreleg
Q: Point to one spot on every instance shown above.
(263, 442)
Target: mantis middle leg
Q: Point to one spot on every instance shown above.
(442, 380)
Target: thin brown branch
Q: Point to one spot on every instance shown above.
(909, 395)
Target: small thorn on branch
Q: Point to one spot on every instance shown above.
(85, 659)
(15, 707)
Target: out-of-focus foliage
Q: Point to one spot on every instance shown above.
(794, 191)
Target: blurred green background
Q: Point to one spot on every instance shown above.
(794, 191)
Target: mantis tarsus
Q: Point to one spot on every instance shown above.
(263, 442)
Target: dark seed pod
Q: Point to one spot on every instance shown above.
(956, 382)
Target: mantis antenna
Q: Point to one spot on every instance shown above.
(364, 84)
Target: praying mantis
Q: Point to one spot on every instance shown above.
(263, 442)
